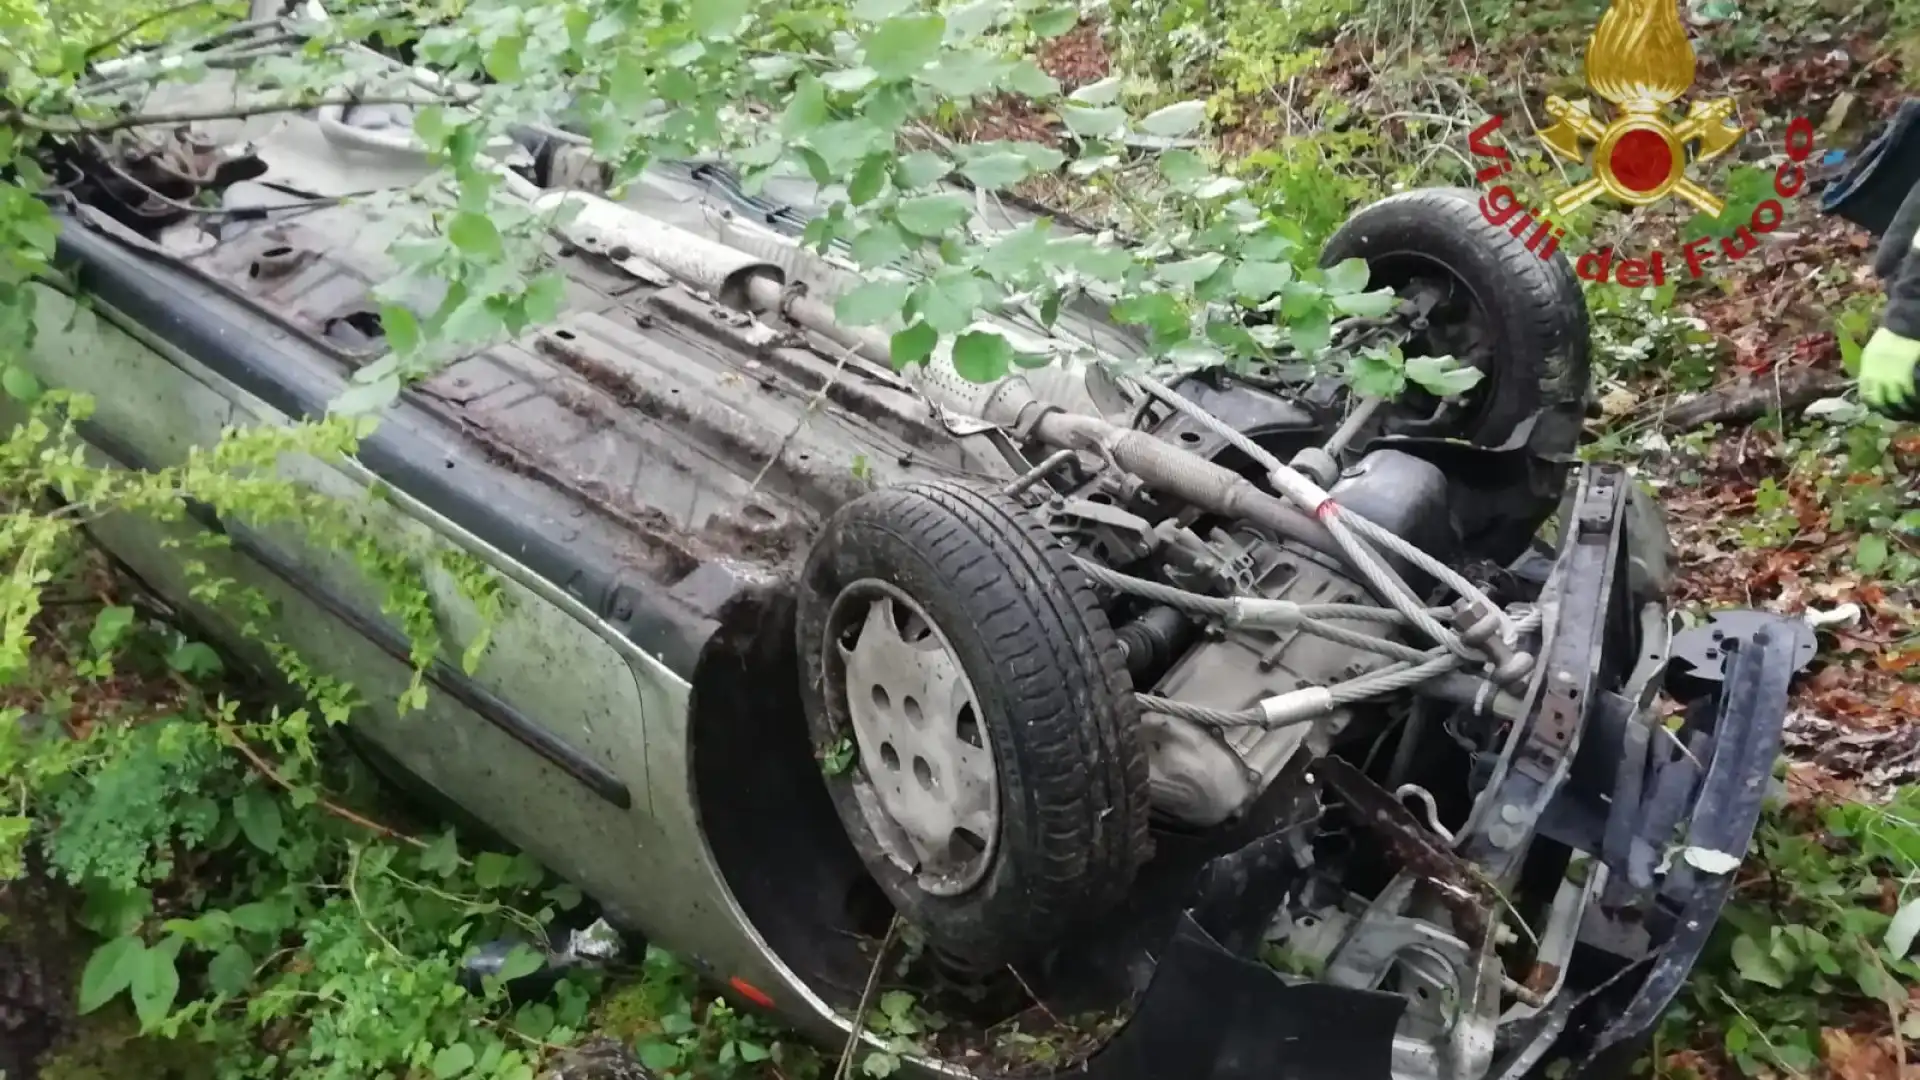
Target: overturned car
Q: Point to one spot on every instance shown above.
(1266, 721)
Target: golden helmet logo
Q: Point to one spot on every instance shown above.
(1640, 61)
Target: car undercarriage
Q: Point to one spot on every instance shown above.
(1296, 725)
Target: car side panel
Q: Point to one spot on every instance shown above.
(566, 739)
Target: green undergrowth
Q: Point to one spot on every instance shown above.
(1817, 938)
(679, 1029)
(238, 891)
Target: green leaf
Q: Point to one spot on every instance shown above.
(20, 384)
(1026, 77)
(1109, 264)
(1371, 304)
(1258, 280)
(920, 168)
(35, 226)
(259, 816)
(659, 1055)
(948, 301)
(1375, 374)
(913, 345)
(968, 21)
(455, 1060)
(114, 912)
(628, 87)
(896, 1003)
(503, 59)
(544, 297)
(1347, 276)
(475, 234)
(849, 80)
(1055, 21)
(361, 399)
(963, 75)
(259, 918)
(1151, 309)
(521, 961)
(879, 10)
(980, 356)
(155, 985)
(932, 215)
(1873, 979)
(879, 245)
(872, 302)
(1312, 332)
(1871, 553)
(868, 180)
(993, 171)
(1182, 167)
(880, 1063)
(808, 108)
(441, 857)
(1174, 120)
(1191, 271)
(110, 970)
(1019, 251)
(753, 1052)
(230, 971)
(1300, 299)
(490, 869)
(1092, 123)
(903, 44)
(1104, 92)
(1443, 376)
(401, 329)
(718, 19)
(760, 154)
(194, 659)
(1755, 966)
(109, 626)
(1266, 244)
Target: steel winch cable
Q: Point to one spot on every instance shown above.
(1310, 704)
(1350, 532)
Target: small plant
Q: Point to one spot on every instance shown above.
(682, 1032)
(902, 1026)
(1823, 928)
(838, 758)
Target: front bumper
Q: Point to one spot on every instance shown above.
(1618, 787)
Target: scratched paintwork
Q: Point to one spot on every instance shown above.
(550, 658)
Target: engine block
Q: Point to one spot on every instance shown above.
(1201, 776)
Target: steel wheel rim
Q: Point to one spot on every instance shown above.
(925, 779)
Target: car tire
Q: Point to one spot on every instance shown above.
(1533, 341)
(1539, 352)
(1055, 708)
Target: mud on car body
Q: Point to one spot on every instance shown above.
(1263, 720)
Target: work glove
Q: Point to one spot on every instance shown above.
(1887, 367)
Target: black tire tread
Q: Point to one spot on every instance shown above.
(1546, 309)
(1074, 791)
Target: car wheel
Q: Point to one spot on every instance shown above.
(1519, 318)
(997, 789)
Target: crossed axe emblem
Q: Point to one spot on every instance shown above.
(1639, 59)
